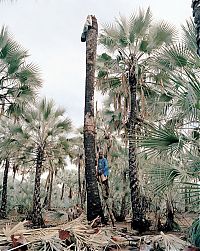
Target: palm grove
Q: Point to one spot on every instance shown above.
(148, 127)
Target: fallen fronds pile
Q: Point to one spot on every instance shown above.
(81, 236)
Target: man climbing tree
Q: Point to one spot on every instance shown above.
(89, 35)
(102, 174)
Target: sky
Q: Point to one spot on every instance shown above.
(51, 30)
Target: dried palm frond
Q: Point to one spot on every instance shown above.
(17, 229)
(170, 242)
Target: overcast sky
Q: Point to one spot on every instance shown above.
(51, 30)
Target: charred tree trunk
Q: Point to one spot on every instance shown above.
(3, 208)
(94, 207)
(138, 221)
(37, 209)
(196, 15)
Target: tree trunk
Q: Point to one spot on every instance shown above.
(37, 210)
(170, 222)
(196, 15)
(62, 191)
(79, 182)
(138, 221)
(123, 204)
(3, 208)
(50, 190)
(94, 207)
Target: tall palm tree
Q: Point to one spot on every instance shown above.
(131, 44)
(10, 155)
(19, 80)
(44, 127)
(175, 137)
(94, 208)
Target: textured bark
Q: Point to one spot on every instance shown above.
(94, 207)
(3, 208)
(196, 15)
(37, 210)
(138, 221)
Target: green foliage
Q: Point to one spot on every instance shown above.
(194, 233)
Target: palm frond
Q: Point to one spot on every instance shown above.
(161, 139)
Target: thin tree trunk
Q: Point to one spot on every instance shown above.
(37, 210)
(94, 207)
(62, 191)
(123, 204)
(47, 184)
(138, 220)
(79, 182)
(196, 15)
(3, 208)
(50, 190)
(170, 222)
(83, 194)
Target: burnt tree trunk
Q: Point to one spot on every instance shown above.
(3, 208)
(94, 207)
(37, 209)
(138, 221)
(196, 15)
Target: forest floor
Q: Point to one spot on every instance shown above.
(96, 237)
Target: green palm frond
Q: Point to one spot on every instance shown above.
(194, 233)
(163, 178)
(3, 36)
(189, 35)
(193, 192)
(161, 139)
(160, 33)
(139, 24)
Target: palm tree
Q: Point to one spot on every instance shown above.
(94, 208)
(19, 80)
(131, 44)
(44, 127)
(10, 155)
(175, 137)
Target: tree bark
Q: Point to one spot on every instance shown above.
(196, 15)
(3, 208)
(138, 221)
(94, 207)
(37, 210)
